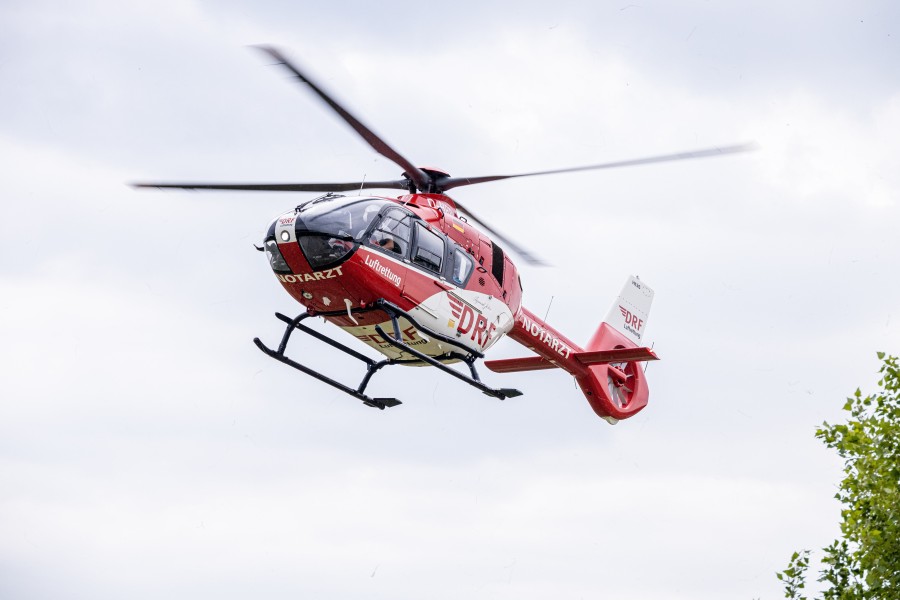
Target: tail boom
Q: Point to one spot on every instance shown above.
(608, 370)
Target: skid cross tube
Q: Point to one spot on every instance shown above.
(372, 366)
(469, 357)
(502, 393)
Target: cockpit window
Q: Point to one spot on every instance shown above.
(323, 250)
(340, 217)
(393, 232)
(330, 229)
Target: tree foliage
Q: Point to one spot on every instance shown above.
(865, 562)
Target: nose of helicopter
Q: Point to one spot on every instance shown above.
(322, 233)
(307, 262)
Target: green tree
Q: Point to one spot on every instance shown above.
(865, 562)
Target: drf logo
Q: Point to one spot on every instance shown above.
(471, 320)
(631, 320)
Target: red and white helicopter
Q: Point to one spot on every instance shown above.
(415, 279)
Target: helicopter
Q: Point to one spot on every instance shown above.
(423, 281)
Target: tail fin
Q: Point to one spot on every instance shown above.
(619, 388)
(627, 317)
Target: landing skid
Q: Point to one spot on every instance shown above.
(372, 366)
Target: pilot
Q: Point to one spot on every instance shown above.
(388, 243)
(370, 213)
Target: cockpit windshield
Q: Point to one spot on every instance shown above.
(329, 229)
(343, 218)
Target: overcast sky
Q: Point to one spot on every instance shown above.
(148, 449)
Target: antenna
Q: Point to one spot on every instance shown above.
(361, 185)
(546, 314)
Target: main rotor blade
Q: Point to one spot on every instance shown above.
(452, 182)
(399, 184)
(419, 177)
(529, 257)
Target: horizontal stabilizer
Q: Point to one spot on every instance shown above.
(514, 365)
(604, 357)
(591, 357)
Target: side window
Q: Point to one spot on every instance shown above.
(392, 233)
(462, 267)
(429, 251)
